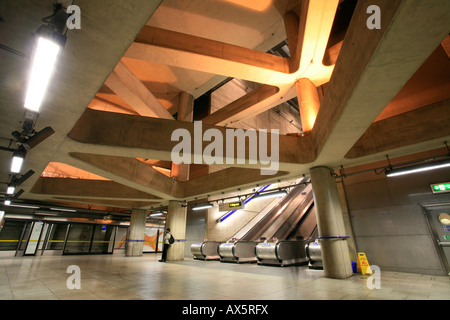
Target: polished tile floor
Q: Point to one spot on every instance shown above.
(144, 278)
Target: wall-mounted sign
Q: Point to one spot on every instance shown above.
(440, 187)
(231, 206)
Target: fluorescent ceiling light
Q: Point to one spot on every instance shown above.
(202, 206)
(67, 210)
(44, 213)
(7, 202)
(278, 193)
(22, 206)
(17, 162)
(156, 214)
(10, 190)
(418, 168)
(43, 65)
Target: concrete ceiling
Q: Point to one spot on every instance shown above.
(134, 64)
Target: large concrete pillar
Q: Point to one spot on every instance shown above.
(136, 234)
(347, 222)
(335, 253)
(176, 222)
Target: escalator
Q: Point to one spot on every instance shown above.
(287, 245)
(289, 222)
(209, 250)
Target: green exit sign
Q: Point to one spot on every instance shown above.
(440, 187)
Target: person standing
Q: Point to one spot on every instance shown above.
(168, 240)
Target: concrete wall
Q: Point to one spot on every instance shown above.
(388, 220)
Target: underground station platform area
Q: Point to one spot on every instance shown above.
(234, 157)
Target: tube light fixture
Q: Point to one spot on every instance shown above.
(156, 214)
(278, 193)
(50, 40)
(418, 168)
(10, 190)
(17, 161)
(65, 210)
(7, 202)
(43, 65)
(202, 206)
(22, 206)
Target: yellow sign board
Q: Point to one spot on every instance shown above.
(231, 206)
(363, 264)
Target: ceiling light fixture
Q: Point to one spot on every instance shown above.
(418, 168)
(278, 193)
(10, 190)
(50, 40)
(65, 210)
(202, 206)
(17, 161)
(156, 214)
(22, 206)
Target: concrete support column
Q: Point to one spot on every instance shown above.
(136, 234)
(185, 107)
(185, 113)
(347, 222)
(335, 253)
(309, 103)
(176, 222)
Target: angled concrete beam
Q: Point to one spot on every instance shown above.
(224, 179)
(132, 170)
(100, 189)
(372, 68)
(315, 23)
(307, 38)
(109, 202)
(126, 85)
(446, 45)
(153, 137)
(196, 53)
(423, 124)
(226, 114)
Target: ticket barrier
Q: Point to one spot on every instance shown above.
(281, 253)
(238, 251)
(314, 255)
(207, 250)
